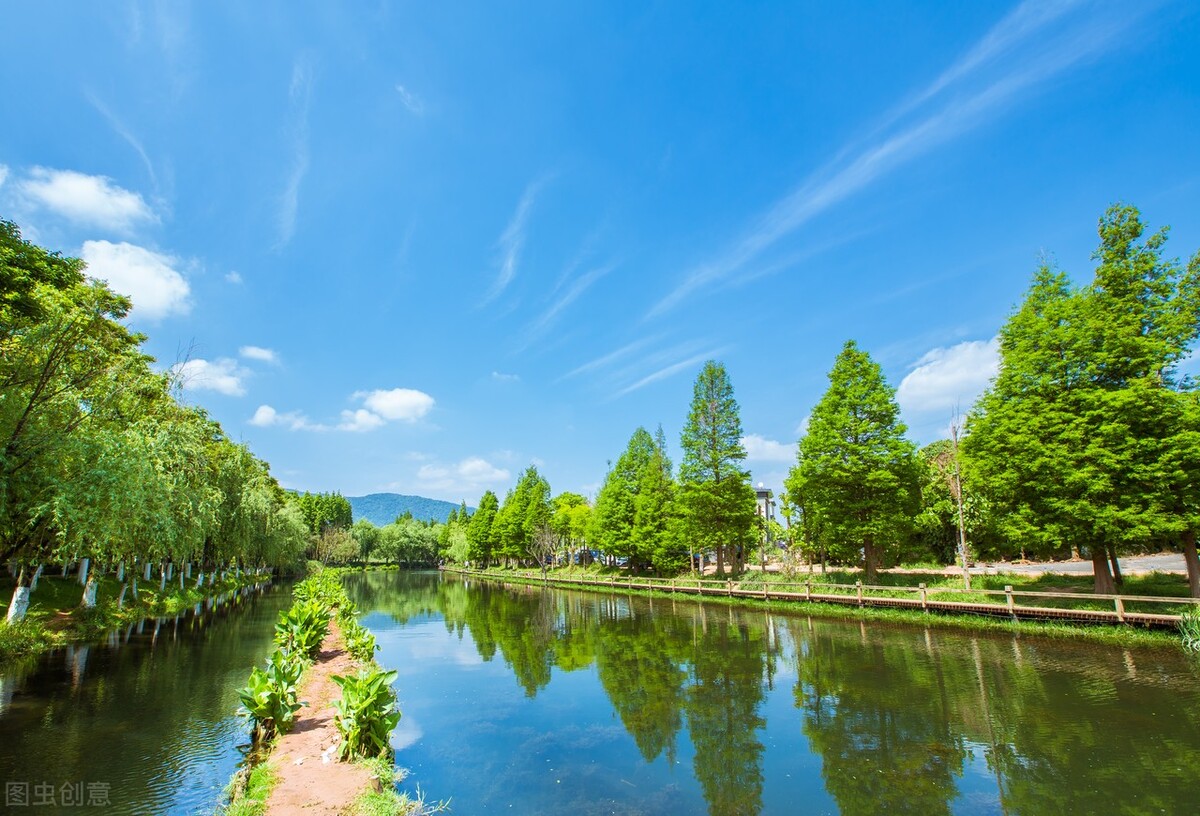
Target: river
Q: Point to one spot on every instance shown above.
(533, 701)
(141, 723)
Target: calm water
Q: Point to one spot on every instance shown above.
(147, 717)
(522, 700)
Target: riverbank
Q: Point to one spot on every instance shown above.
(56, 617)
(1111, 635)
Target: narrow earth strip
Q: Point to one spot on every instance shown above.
(309, 778)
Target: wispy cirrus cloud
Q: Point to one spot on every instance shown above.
(1034, 43)
(300, 101)
(577, 287)
(611, 357)
(121, 129)
(668, 371)
(414, 103)
(511, 242)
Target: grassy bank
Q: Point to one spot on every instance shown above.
(56, 617)
(1111, 635)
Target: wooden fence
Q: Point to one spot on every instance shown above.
(1134, 610)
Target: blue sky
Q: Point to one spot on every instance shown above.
(415, 247)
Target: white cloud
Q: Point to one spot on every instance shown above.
(802, 428)
(948, 378)
(150, 280)
(223, 376)
(466, 476)
(668, 371)
(266, 417)
(300, 93)
(511, 242)
(505, 378)
(360, 421)
(760, 449)
(92, 200)
(410, 100)
(404, 404)
(233, 277)
(259, 353)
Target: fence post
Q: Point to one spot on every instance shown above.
(924, 597)
(1120, 605)
(858, 587)
(729, 587)
(1008, 598)
(672, 586)
(808, 590)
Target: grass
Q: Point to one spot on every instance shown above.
(248, 790)
(388, 801)
(1189, 628)
(55, 616)
(1111, 635)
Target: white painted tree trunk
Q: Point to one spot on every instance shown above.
(84, 569)
(200, 580)
(146, 572)
(36, 575)
(19, 605)
(162, 578)
(170, 570)
(89, 593)
(121, 597)
(181, 580)
(121, 572)
(187, 570)
(134, 588)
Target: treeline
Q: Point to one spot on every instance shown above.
(99, 464)
(1087, 442)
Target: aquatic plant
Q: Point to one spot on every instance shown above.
(1189, 629)
(301, 629)
(270, 696)
(359, 641)
(366, 713)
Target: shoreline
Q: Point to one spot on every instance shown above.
(1124, 635)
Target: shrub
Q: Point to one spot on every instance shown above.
(301, 629)
(366, 713)
(270, 696)
(359, 642)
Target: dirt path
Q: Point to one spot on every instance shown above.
(309, 778)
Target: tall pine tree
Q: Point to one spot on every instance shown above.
(716, 501)
(858, 471)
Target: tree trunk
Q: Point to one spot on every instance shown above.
(134, 587)
(120, 572)
(1116, 567)
(721, 559)
(146, 572)
(121, 597)
(19, 604)
(162, 578)
(37, 573)
(869, 566)
(1104, 580)
(187, 570)
(84, 570)
(89, 593)
(200, 579)
(1193, 562)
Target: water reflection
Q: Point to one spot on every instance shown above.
(772, 713)
(147, 713)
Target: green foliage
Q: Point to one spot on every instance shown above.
(526, 510)
(301, 629)
(856, 472)
(360, 643)
(366, 713)
(481, 536)
(1189, 629)
(269, 698)
(323, 511)
(1087, 437)
(716, 501)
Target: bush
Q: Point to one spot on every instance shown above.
(366, 714)
(301, 629)
(270, 697)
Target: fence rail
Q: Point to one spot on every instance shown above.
(1063, 606)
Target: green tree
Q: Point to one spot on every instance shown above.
(716, 501)
(481, 542)
(1078, 439)
(616, 504)
(856, 469)
(656, 528)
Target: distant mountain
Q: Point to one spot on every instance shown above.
(382, 508)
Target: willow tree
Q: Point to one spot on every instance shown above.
(715, 499)
(856, 470)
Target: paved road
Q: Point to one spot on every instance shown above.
(1167, 562)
